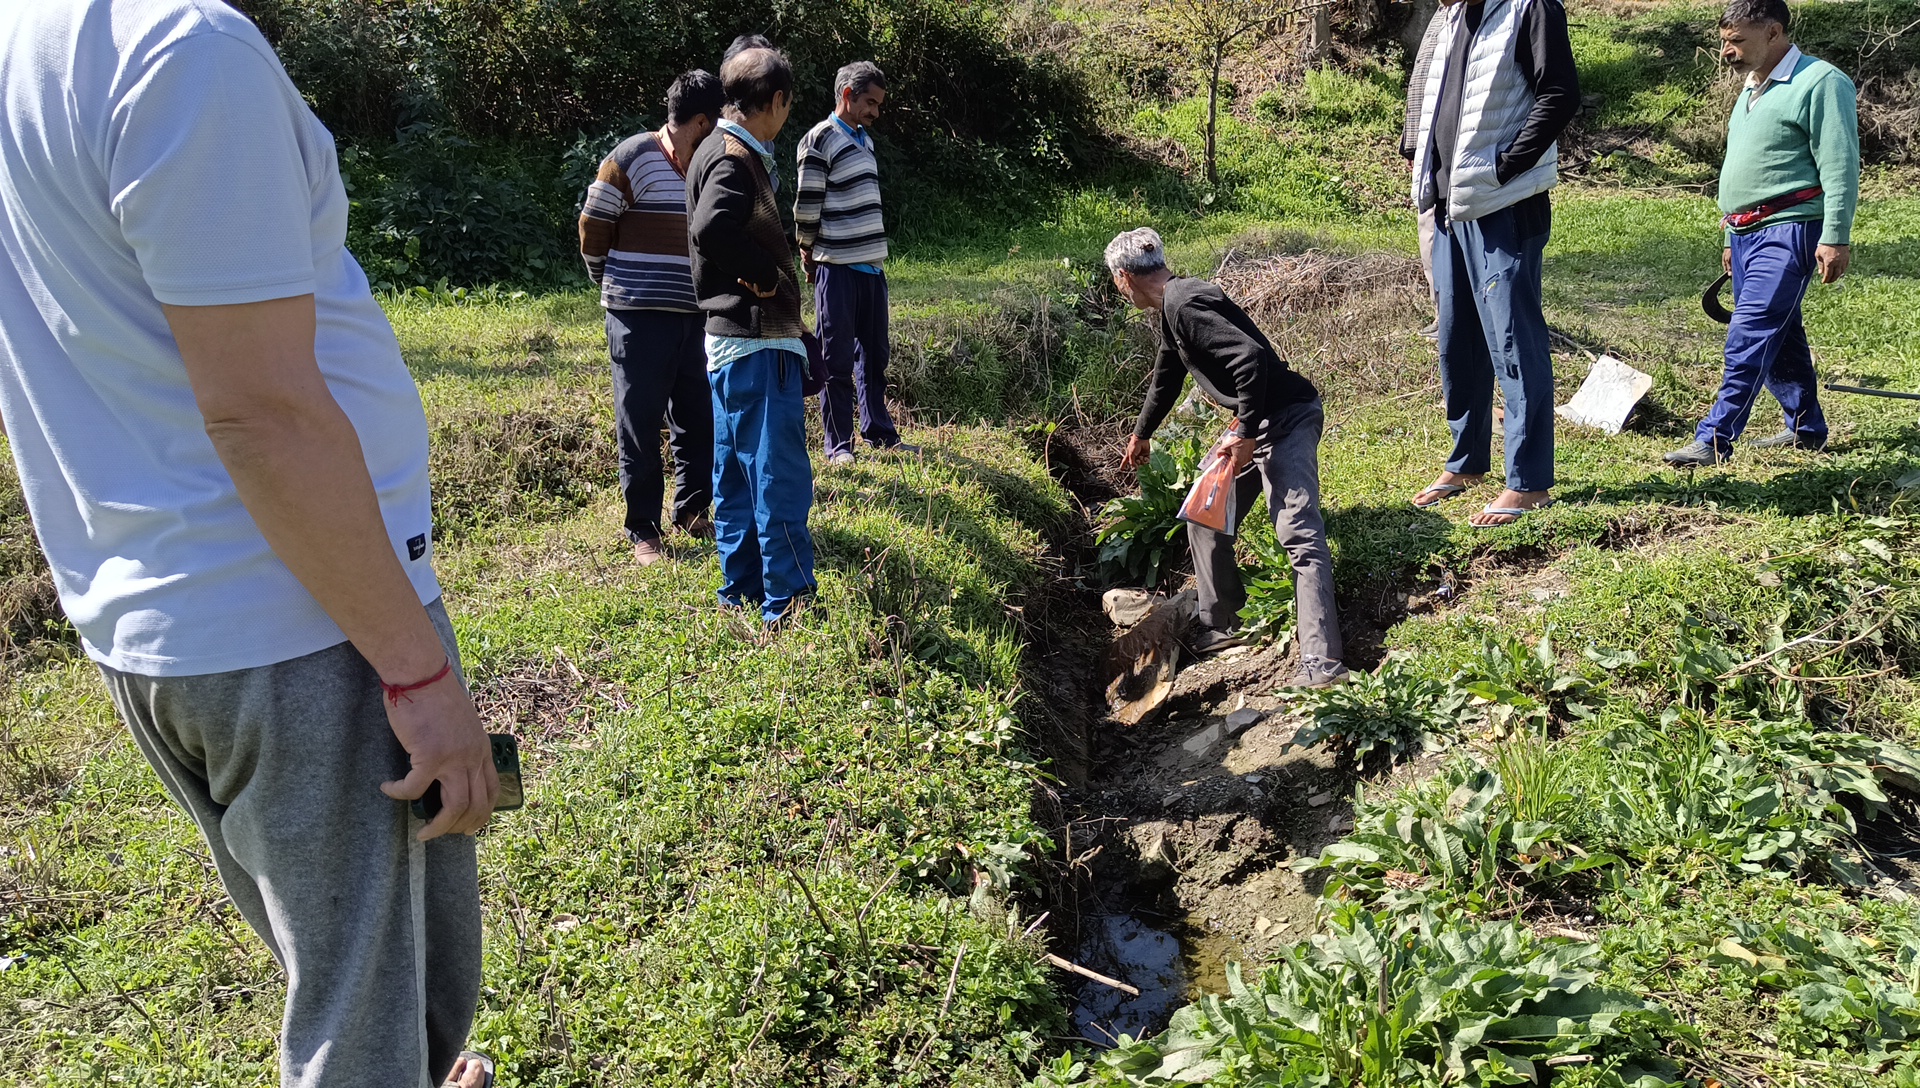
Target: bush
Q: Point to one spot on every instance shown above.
(1416, 1001)
(472, 111)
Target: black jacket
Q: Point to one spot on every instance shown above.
(1203, 332)
(734, 233)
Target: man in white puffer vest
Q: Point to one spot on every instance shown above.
(1502, 89)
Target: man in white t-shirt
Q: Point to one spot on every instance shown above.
(226, 464)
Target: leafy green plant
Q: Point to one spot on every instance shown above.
(1862, 993)
(1379, 1001)
(1673, 785)
(1269, 611)
(1391, 710)
(1521, 685)
(1140, 534)
(1451, 842)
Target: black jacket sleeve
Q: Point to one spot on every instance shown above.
(717, 221)
(1545, 57)
(1164, 383)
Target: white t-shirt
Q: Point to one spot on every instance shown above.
(155, 151)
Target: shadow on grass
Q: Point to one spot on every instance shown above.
(1383, 545)
(1840, 478)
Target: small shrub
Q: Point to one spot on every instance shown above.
(1269, 611)
(1392, 711)
(1416, 1001)
(1454, 842)
(1140, 535)
(1523, 687)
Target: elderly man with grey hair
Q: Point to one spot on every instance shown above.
(843, 242)
(1277, 424)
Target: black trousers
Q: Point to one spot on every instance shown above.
(660, 373)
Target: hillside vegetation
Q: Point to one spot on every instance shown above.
(1673, 836)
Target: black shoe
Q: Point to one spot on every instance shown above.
(1696, 454)
(1206, 641)
(906, 449)
(1787, 440)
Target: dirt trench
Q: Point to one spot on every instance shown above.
(1176, 835)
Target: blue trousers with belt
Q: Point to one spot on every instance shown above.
(1486, 277)
(852, 308)
(762, 482)
(1766, 342)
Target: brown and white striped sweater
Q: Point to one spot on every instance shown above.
(633, 229)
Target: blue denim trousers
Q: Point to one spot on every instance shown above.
(851, 306)
(1766, 341)
(762, 482)
(1486, 278)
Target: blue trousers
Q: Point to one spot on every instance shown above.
(852, 309)
(1486, 279)
(762, 482)
(1766, 342)
(660, 370)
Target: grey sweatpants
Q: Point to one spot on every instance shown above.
(1286, 462)
(379, 934)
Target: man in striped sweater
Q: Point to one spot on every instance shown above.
(633, 236)
(836, 217)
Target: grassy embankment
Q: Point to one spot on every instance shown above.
(697, 792)
(743, 859)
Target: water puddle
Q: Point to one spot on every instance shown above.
(1170, 967)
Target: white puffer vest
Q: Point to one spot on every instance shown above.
(1493, 106)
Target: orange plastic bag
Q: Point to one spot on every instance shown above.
(1210, 503)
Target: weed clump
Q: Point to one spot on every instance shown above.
(29, 604)
(536, 463)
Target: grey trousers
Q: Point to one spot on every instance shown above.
(1286, 462)
(379, 934)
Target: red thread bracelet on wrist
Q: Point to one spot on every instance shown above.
(397, 692)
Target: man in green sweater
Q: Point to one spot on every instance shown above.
(1788, 187)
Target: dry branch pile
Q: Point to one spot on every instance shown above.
(1269, 287)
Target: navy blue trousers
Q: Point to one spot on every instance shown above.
(851, 306)
(660, 370)
(762, 482)
(1486, 277)
(1766, 342)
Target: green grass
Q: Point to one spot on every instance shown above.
(691, 785)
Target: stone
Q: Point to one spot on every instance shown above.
(1126, 607)
(1242, 720)
(1251, 779)
(1162, 851)
(1254, 792)
(1203, 741)
(1319, 799)
(1340, 824)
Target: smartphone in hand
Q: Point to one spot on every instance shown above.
(506, 764)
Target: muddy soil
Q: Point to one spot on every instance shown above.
(1179, 833)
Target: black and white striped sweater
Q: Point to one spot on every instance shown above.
(836, 213)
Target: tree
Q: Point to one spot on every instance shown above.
(1211, 30)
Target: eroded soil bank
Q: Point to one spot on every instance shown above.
(1177, 834)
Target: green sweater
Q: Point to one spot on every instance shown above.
(1801, 133)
